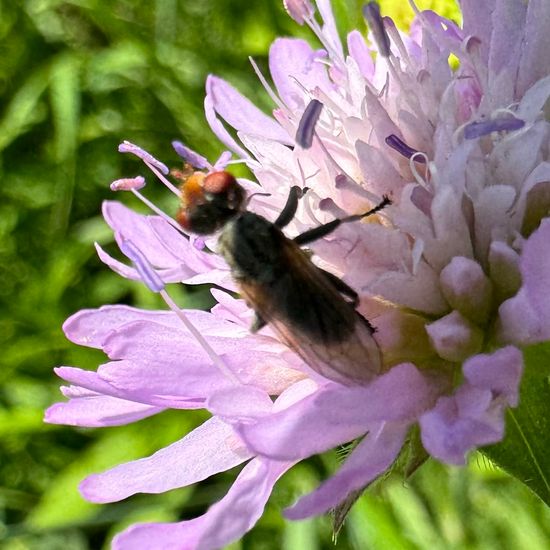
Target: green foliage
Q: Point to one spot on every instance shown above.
(524, 451)
(76, 78)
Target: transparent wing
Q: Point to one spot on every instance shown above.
(315, 320)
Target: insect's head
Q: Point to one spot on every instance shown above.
(208, 201)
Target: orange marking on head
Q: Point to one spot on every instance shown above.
(218, 182)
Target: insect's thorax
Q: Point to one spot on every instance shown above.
(252, 246)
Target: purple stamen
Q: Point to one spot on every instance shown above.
(188, 155)
(306, 127)
(371, 12)
(148, 275)
(127, 147)
(481, 128)
(401, 147)
(299, 10)
(128, 184)
(223, 161)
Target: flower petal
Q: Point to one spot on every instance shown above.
(499, 372)
(525, 318)
(240, 113)
(224, 522)
(371, 458)
(336, 414)
(207, 450)
(98, 411)
(295, 71)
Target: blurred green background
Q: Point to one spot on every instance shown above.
(76, 78)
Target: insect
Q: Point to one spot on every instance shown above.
(313, 310)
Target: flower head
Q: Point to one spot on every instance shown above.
(453, 275)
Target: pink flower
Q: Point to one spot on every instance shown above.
(453, 275)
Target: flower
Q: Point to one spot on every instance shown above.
(453, 275)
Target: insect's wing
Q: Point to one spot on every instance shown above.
(313, 318)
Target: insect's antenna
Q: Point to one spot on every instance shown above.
(327, 228)
(386, 201)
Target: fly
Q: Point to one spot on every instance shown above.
(312, 310)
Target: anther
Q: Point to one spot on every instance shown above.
(478, 129)
(306, 126)
(371, 12)
(128, 184)
(148, 275)
(127, 147)
(397, 144)
(188, 155)
(299, 10)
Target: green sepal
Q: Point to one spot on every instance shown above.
(410, 458)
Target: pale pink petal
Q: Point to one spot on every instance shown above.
(207, 450)
(293, 67)
(371, 458)
(474, 415)
(460, 423)
(330, 31)
(477, 21)
(98, 411)
(319, 422)
(499, 372)
(534, 63)
(525, 318)
(240, 113)
(224, 522)
(359, 50)
(219, 129)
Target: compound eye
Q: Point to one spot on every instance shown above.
(218, 182)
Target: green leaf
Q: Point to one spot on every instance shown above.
(524, 451)
(23, 110)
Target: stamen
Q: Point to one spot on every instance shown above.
(401, 147)
(157, 167)
(395, 38)
(127, 147)
(306, 126)
(128, 184)
(188, 155)
(223, 161)
(216, 359)
(414, 7)
(478, 129)
(299, 10)
(266, 85)
(158, 211)
(371, 12)
(148, 275)
(422, 180)
(133, 184)
(161, 177)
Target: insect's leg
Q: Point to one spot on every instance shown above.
(327, 228)
(346, 290)
(287, 213)
(341, 287)
(257, 323)
(371, 328)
